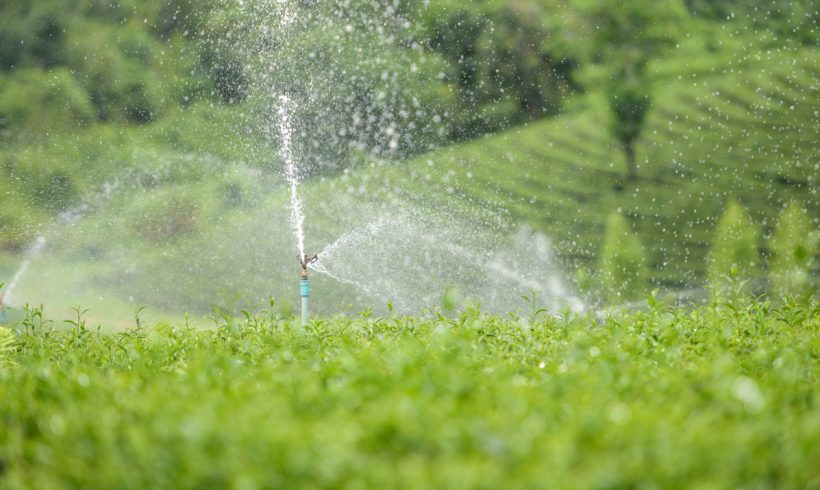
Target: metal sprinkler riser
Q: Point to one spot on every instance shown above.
(304, 285)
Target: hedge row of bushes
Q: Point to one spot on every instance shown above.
(66, 64)
(735, 256)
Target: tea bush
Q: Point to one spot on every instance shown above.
(622, 261)
(723, 396)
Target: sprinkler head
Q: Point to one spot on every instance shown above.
(305, 262)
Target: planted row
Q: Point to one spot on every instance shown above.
(786, 266)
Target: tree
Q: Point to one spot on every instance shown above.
(734, 254)
(626, 35)
(506, 61)
(622, 261)
(794, 248)
(628, 103)
(360, 88)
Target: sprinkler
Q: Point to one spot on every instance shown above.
(305, 284)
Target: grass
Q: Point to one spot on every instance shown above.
(68, 287)
(723, 396)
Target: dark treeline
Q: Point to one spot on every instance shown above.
(507, 62)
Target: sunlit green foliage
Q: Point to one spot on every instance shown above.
(40, 102)
(724, 133)
(781, 19)
(6, 341)
(724, 396)
(626, 36)
(16, 218)
(735, 254)
(794, 248)
(628, 103)
(92, 88)
(113, 64)
(505, 60)
(115, 56)
(622, 263)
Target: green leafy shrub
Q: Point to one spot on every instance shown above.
(165, 218)
(794, 248)
(32, 34)
(137, 44)
(116, 79)
(232, 193)
(18, 218)
(792, 19)
(112, 11)
(55, 191)
(662, 398)
(37, 101)
(9, 45)
(180, 16)
(139, 102)
(501, 60)
(6, 342)
(735, 255)
(622, 261)
(46, 44)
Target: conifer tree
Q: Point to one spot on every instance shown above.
(794, 247)
(734, 254)
(622, 261)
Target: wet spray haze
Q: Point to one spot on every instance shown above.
(327, 119)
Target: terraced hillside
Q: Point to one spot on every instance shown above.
(748, 132)
(745, 131)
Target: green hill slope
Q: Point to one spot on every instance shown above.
(193, 231)
(748, 133)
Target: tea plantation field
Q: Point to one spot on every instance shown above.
(722, 396)
(743, 132)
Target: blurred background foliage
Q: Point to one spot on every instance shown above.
(88, 87)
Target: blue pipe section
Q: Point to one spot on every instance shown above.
(305, 290)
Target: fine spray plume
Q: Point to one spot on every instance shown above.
(332, 141)
(297, 217)
(418, 233)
